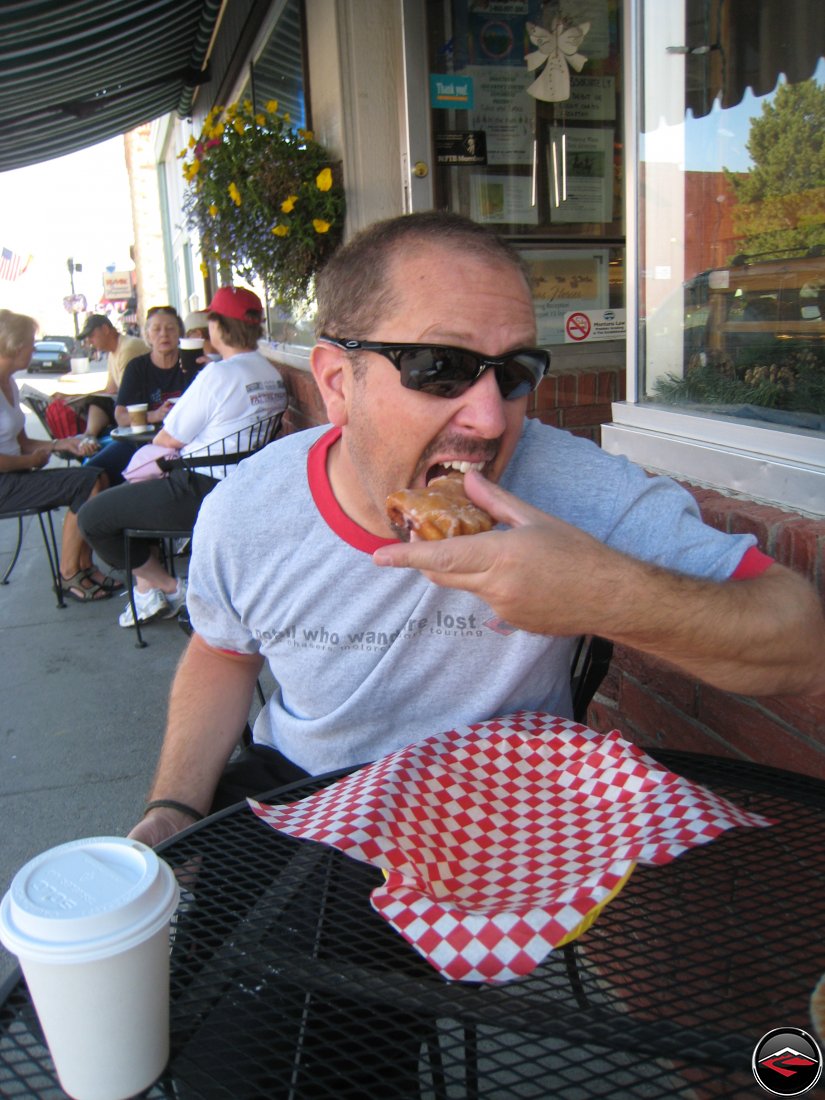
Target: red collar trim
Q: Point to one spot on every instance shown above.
(331, 512)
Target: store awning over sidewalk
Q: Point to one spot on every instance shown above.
(76, 72)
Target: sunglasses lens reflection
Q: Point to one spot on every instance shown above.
(444, 372)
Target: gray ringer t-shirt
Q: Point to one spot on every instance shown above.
(368, 659)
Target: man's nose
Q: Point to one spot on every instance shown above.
(482, 407)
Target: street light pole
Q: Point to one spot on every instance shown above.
(73, 267)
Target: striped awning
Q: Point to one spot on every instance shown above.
(76, 72)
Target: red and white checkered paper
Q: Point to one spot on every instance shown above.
(499, 838)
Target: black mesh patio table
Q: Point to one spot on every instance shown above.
(285, 983)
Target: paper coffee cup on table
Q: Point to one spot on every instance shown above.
(191, 349)
(89, 922)
(137, 415)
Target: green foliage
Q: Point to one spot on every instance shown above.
(781, 200)
(264, 198)
(794, 381)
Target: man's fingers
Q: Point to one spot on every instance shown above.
(504, 507)
(454, 557)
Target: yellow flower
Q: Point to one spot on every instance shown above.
(213, 210)
(234, 194)
(239, 126)
(192, 143)
(288, 205)
(247, 106)
(320, 226)
(323, 181)
(306, 135)
(280, 230)
(231, 110)
(182, 153)
(260, 120)
(204, 266)
(272, 106)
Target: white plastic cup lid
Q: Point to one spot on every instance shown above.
(136, 408)
(86, 899)
(191, 343)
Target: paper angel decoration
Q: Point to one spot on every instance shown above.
(557, 49)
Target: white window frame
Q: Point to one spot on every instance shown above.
(777, 465)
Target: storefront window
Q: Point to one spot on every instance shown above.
(527, 127)
(732, 209)
(278, 70)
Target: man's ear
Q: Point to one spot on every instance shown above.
(332, 372)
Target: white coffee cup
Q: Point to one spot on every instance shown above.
(89, 921)
(137, 415)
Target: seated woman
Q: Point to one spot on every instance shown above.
(23, 482)
(155, 379)
(226, 396)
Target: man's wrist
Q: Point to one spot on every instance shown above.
(173, 804)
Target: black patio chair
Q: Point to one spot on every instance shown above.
(216, 460)
(591, 660)
(44, 516)
(38, 403)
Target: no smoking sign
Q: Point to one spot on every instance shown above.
(577, 326)
(594, 324)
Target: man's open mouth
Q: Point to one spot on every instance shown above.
(453, 467)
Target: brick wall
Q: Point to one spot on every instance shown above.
(649, 702)
(579, 399)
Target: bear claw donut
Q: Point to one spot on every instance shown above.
(441, 511)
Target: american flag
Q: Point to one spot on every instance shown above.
(12, 266)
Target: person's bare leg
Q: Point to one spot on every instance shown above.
(152, 575)
(97, 421)
(75, 552)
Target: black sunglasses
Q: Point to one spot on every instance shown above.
(449, 372)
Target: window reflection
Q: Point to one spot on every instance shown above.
(732, 211)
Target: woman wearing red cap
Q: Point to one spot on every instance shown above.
(241, 388)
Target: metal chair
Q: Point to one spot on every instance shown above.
(591, 661)
(44, 516)
(215, 460)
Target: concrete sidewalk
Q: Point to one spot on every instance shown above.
(81, 710)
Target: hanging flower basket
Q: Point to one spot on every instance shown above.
(264, 198)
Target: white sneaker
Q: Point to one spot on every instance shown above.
(175, 600)
(149, 605)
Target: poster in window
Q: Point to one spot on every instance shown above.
(580, 174)
(597, 15)
(493, 32)
(505, 112)
(562, 281)
(592, 99)
(497, 199)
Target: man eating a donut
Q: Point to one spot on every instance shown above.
(426, 361)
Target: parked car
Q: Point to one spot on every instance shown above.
(74, 345)
(758, 311)
(50, 355)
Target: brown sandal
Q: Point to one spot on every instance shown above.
(108, 583)
(82, 588)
